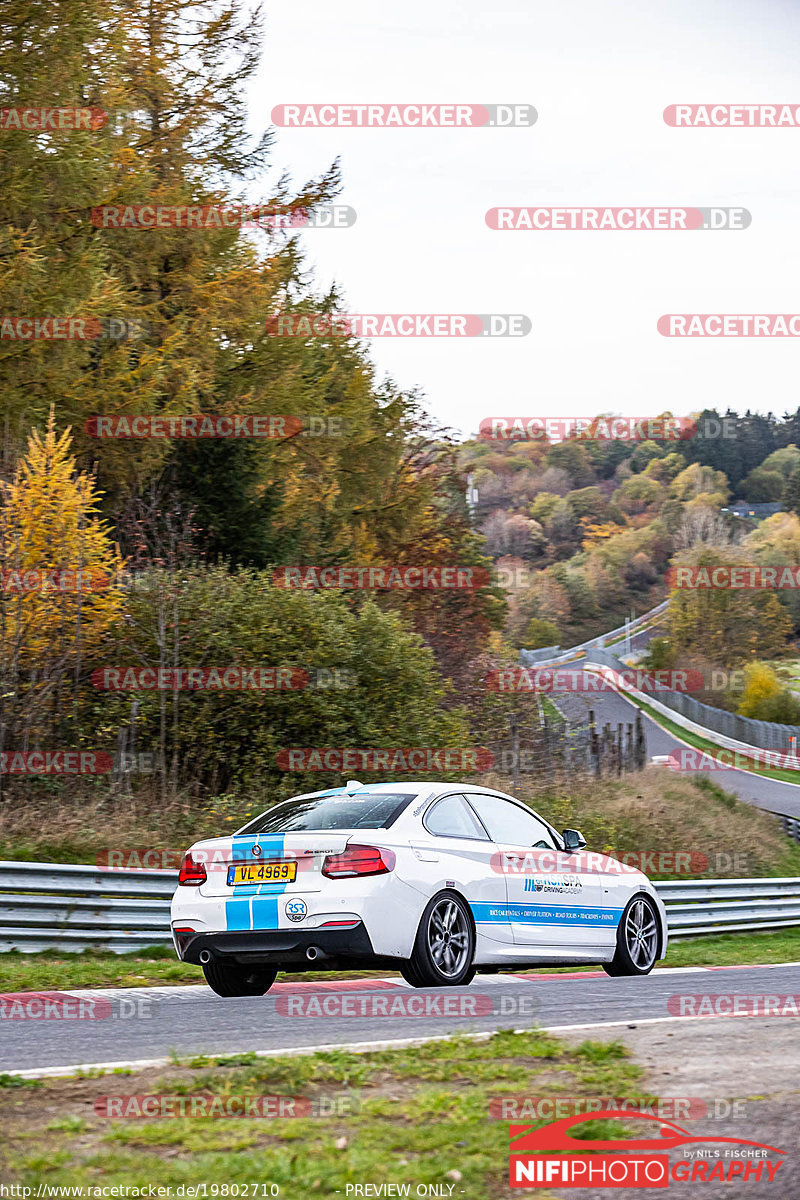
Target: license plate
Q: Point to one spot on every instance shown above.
(275, 872)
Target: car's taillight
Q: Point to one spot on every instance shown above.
(358, 860)
(192, 872)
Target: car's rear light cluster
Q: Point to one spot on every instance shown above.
(357, 861)
(192, 872)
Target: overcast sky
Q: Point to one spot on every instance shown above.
(599, 75)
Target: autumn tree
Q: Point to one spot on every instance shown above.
(764, 697)
(59, 585)
(727, 625)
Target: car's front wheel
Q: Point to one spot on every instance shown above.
(235, 979)
(637, 939)
(445, 945)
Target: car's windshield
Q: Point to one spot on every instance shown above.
(367, 810)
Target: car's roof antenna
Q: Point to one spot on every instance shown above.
(353, 784)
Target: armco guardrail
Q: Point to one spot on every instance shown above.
(728, 905)
(45, 906)
(766, 735)
(554, 655)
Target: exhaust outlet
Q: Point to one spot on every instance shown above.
(205, 956)
(313, 952)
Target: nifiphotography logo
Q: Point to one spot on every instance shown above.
(533, 1164)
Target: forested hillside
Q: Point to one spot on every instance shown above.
(186, 533)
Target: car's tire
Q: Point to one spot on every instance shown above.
(638, 938)
(237, 979)
(444, 946)
(410, 975)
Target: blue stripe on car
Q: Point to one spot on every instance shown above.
(541, 914)
(255, 906)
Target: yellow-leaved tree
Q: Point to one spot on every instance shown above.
(60, 586)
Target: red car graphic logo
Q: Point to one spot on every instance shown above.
(555, 1136)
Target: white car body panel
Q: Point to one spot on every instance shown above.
(533, 916)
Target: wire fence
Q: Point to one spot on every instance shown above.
(767, 735)
(564, 742)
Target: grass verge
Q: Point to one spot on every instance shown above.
(50, 971)
(414, 1116)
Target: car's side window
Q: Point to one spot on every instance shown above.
(508, 822)
(453, 817)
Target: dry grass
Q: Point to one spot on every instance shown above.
(77, 825)
(649, 811)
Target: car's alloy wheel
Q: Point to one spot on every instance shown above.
(637, 939)
(236, 979)
(444, 946)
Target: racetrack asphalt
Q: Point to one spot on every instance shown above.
(138, 1026)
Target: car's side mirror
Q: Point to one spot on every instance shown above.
(573, 840)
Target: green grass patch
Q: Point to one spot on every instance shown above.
(34, 972)
(53, 970)
(417, 1115)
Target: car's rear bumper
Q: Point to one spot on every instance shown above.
(345, 948)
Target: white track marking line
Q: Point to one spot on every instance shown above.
(359, 1047)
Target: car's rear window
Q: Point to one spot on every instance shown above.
(367, 810)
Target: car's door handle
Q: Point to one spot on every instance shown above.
(425, 853)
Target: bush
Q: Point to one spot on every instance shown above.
(539, 633)
(660, 655)
(765, 699)
(379, 685)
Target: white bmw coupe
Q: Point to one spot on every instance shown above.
(435, 880)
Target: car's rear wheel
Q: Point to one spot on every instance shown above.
(637, 939)
(445, 945)
(236, 979)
